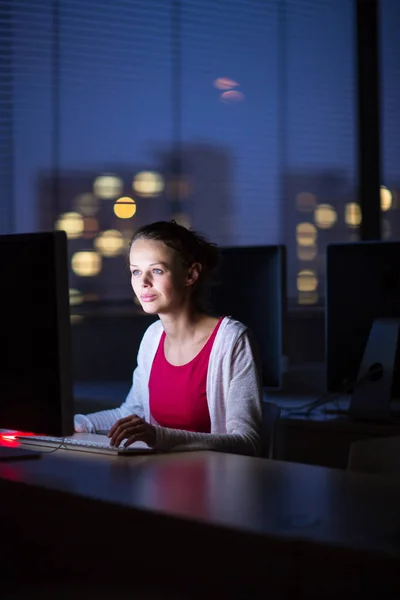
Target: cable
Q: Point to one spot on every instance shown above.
(329, 397)
(36, 448)
(53, 449)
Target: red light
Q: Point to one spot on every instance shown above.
(11, 439)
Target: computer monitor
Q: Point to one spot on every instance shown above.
(362, 325)
(36, 390)
(251, 287)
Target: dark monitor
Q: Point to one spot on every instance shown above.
(251, 287)
(36, 390)
(362, 325)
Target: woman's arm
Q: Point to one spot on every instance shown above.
(105, 419)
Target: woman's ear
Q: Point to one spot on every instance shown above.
(193, 273)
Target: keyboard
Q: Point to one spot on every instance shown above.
(84, 442)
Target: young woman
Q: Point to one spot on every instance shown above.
(196, 384)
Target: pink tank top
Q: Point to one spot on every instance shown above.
(178, 397)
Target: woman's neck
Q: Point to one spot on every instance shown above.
(184, 326)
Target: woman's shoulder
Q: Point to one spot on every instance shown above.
(232, 328)
(152, 335)
(154, 330)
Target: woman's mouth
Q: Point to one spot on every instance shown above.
(148, 298)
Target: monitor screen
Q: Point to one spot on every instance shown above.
(251, 287)
(363, 288)
(35, 371)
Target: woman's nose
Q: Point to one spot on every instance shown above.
(145, 281)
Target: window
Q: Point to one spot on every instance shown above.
(390, 118)
(233, 116)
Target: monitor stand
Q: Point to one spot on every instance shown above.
(15, 453)
(372, 393)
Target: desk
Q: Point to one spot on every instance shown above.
(320, 438)
(201, 524)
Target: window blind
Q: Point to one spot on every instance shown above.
(242, 104)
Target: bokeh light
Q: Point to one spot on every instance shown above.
(125, 207)
(110, 243)
(86, 263)
(325, 216)
(71, 223)
(108, 186)
(148, 184)
(307, 281)
(225, 83)
(386, 199)
(75, 297)
(306, 234)
(352, 214)
(231, 97)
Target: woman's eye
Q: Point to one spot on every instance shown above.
(157, 271)
(135, 272)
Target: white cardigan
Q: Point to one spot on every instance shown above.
(234, 396)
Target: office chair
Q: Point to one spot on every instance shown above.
(270, 416)
(375, 455)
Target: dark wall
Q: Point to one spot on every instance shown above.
(105, 346)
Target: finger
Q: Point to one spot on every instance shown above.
(126, 433)
(131, 440)
(123, 422)
(118, 424)
(121, 432)
(139, 435)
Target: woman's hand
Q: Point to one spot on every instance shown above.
(133, 429)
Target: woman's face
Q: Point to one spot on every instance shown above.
(159, 279)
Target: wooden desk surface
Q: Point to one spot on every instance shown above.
(82, 512)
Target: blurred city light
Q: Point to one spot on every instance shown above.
(386, 198)
(307, 281)
(352, 214)
(125, 207)
(148, 183)
(231, 97)
(86, 263)
(110, 243)
(108, 186)
(306, 234)
(71, 223)
(75, 297)
(325, 216)
(225, 83)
